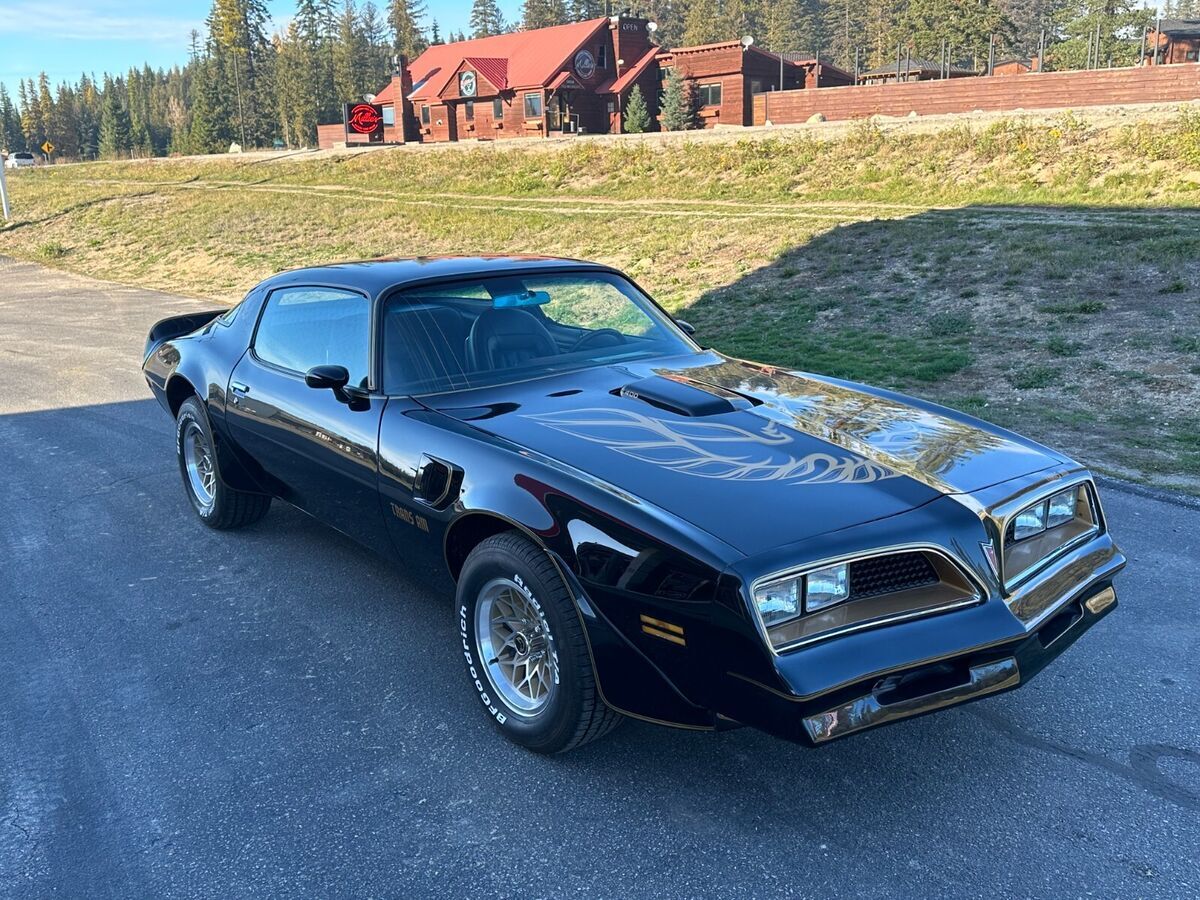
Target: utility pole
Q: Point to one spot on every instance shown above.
(991, 54)
(1157, 38)
(1042, 52)
(4, 195)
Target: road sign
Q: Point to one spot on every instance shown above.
(47, 148)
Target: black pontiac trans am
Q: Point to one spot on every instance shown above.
(637, 526)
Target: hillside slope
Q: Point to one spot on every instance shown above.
(1040, 272)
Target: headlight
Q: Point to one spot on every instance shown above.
(825, 587)
(1030, 522)
(1058, 510)
(780, 601)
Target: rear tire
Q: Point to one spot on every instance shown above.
(216, 503)
(525, 650)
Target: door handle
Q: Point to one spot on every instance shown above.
(238, 388)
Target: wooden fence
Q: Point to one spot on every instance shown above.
(1049, 90)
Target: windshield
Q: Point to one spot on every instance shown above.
(498, 330)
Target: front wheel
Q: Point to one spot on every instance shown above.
(525, 649)
(216, 503)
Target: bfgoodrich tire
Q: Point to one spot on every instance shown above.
(524, 647)
(216, 503)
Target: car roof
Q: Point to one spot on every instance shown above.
(376, 276)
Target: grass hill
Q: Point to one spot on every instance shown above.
(1037, 271)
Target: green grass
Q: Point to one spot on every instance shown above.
(899, 260)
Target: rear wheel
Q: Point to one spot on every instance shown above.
(525, 650)
(216, 503)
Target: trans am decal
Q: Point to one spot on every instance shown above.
(695, 448)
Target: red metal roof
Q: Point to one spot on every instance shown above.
(388, 94)
(493, 68)
(532, 58)
(631, 74)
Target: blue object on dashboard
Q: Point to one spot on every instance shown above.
(525, 298)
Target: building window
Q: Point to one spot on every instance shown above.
(389, 115)
(470, 108)
(533, 106)
(497, 109)
(602, 56)
(710, 94)
(756, 86)
(425, 115)
(1191, 56)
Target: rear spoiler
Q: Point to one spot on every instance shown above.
(177, 326)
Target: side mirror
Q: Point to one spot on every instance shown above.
(333, 378)
(686, 327)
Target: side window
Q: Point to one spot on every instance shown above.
(497, 109)
(533, 106)
(305, 327)
(424, 115)
(710, 95)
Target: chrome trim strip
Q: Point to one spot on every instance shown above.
(867, 711)
(964, 570)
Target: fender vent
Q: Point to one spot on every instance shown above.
(437, 482)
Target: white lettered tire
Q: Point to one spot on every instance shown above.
(524, 648)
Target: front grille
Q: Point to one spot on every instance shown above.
(890, 574)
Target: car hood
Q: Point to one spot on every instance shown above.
(754, 455)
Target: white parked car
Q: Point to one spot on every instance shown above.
(20, 161)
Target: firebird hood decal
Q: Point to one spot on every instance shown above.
(798, 456)
(711, 449)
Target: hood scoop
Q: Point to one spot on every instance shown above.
(685, 397)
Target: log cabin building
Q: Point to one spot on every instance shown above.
(570, 79)
(1175, 41)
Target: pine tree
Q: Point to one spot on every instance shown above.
(703, 23)
(114, 121)
(351, 57)
(543, 13)
(678, 103)
(583, 10)
(31, 115)
(1077, 25)
(11, 138)
(435, 34)
(486, 19)
(405, 18)
(637, 118)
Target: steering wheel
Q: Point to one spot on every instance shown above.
(595, 335)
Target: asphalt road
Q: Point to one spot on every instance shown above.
(278, 712)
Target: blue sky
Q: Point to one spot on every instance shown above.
(67, 37)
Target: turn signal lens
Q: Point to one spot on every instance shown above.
(826, 587)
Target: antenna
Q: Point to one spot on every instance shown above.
(368, 98)
(747, 42)
(652, 27)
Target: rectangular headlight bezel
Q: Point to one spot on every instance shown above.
(1023, 557)
(956, 588)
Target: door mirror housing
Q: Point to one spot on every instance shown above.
(686, 327)
(333, 378)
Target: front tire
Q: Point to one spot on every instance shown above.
(525, 649)
(216, 503)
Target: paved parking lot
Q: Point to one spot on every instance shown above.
(278, 712)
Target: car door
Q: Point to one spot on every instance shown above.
(315, 450)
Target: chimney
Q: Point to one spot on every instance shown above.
(630, 38)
